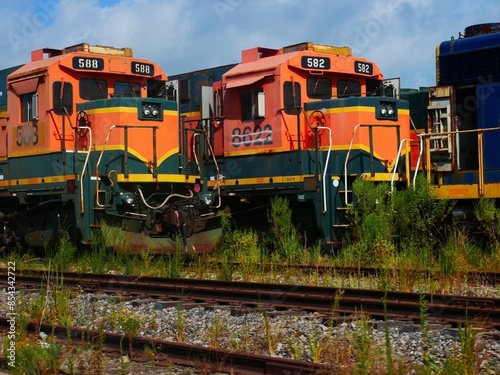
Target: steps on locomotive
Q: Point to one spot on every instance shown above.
(342, 224)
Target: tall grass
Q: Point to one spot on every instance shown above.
(287, 240)
(398, 230)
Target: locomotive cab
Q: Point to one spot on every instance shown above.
(92, 148)
(305, 121)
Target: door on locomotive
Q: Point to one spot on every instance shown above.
(304, 121)
(93, 147)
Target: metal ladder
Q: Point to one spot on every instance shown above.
(440, 117)
(441, 145)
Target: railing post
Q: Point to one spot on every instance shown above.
(428, 157)
(125, 155)
(407, 161)
(481, 163)
(372, 158)
(155, 159)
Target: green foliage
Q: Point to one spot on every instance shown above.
(101, 257)
(430, 365)
(420, 217)
(286, 237)
(174, 262)
(387, 223)
(61, 308)
(364, 345)
(242, 246)
(34, 359)
(62, 254)
(488, 216)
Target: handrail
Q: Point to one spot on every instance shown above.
(97, 166)
(195, 135)
(397, 126)
(197, 132)
(417, 166)
(82, 209)
(403, 141)
(216, 166)
(323, 178)
(479, 132)
(347, 159)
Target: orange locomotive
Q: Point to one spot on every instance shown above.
(90, 145)
(303, 122)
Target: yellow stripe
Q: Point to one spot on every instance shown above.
(254, 152)
(345, 147)
(161, 178)
(465, 191)
(38, 151)
(36, 180)
(359, 109)
(192, 114)
(120, 147)
(261, 180)
(124, 109)
(378, 177)
(111, 110)
(350, 109)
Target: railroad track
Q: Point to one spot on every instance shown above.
(244, 297)
(472, 277)
(446, 309)
(167, 353)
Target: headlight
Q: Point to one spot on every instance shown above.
(127, 198)
(386, 110)
(154, 110)
(150, 111)
(207, 199)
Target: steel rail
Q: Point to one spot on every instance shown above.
(167, 353)
(326, 300)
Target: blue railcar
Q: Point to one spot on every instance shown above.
(462, 135)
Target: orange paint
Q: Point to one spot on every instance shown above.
(59, 75)
(268, 71)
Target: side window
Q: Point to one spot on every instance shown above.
(130, 89)
(184, 90)
(29, 107)
(91, 89)
(291, 96)
(250, 105)
(62, 95)
(319, 88)
(348, 88)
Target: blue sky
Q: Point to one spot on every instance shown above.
(183, 35)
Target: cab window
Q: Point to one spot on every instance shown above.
(29, 107)
(62, 97)
(91, 89)
(319, 88)
(129, 89)
(250, 105)
(348, 88)
(291, 97)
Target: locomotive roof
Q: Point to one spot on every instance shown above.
(34, 67)
(262, 65)
(244, 72)
(38, 67)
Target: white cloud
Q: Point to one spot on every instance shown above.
(183, 35)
